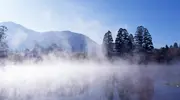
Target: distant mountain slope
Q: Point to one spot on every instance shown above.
(20, 38)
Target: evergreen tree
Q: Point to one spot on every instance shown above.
(131, 42)
(3, 44)
(119, 41)
(167, 47)
(175, 45)
(171, 46)
(147, 41)
(108, 43)
(126, 41)
(167, 58)
(139, 38)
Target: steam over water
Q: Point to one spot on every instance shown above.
(79, 80)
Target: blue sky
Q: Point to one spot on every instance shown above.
(94, 17)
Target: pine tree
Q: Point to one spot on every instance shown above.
(147, 41)
(167, 47)
(126, 41)
(139, 38)
(175, 45)
(131, 42)
(119, 41)
(3, 44)
(170, 46)
(108, 43)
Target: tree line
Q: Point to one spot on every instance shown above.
(138, 47)
(129, 46)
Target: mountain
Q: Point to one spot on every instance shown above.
(20, 38)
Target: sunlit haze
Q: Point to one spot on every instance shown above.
(89, 50)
